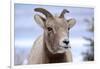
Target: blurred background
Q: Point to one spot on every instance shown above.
(26, 31)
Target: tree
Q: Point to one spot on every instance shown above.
(89, 54)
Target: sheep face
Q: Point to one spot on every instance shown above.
(56, 30)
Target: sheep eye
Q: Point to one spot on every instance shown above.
(49, 28)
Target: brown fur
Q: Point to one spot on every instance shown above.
(40, 55)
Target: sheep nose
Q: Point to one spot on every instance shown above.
(66, 42)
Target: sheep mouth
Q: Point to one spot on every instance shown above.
(65, 47)
(61, 49)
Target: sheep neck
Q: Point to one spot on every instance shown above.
(54, 58)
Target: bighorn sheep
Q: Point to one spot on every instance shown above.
(53, 46)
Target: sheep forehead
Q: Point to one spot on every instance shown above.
(56, 22)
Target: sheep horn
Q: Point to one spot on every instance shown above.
(44, 11)
(63, 12)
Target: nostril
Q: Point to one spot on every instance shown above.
(66, 42)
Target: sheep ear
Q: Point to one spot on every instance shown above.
(71, 23)
(40, 20)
